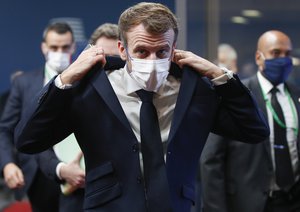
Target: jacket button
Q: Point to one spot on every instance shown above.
(135, 148)
(139, 180)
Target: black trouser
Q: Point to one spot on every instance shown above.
(44, 194)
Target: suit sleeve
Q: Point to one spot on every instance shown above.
(48, 161)
(9, 120)
(239, 116)
(212, 172)
(46, 122)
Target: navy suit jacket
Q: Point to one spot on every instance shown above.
(236, 176)
(113, 175)
(23, 90)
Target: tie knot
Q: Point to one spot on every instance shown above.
(274, 90)
(146, 96)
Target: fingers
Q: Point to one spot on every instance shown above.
(78, 157)
(83, 64)
(180, 56)
(14, 177)
(94, 50)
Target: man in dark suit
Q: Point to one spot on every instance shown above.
(22, 172)
(104, 110)
(239, 177)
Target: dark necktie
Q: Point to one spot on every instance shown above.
(156, 183)
(283, 170)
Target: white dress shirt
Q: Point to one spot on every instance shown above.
(290, 121)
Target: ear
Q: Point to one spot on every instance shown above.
(44, 48)
(259, 60)
(122, 50)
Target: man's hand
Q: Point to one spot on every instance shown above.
(72, 173)
(13, 176)
(80, 67)
(199, 64)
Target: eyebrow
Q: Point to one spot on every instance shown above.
(165, 46)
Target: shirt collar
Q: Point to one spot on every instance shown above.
(266, 85)
(49, 72)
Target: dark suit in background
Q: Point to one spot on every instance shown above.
(41, 191)
(236, 176)
(3, 98)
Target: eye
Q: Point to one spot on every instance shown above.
(141, 53)
(276, 53)
(53, 48)
(66, 48)
(163, 53)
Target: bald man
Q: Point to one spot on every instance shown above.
(240, 177)
(227, 57)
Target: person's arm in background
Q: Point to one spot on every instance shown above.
(12, 174)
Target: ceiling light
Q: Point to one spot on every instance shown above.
(239, 20)
(251, 13)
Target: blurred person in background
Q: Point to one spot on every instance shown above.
(106, 36)
(6, 194)
(5, 94)
(263, 177)
(23, 173)
(227, 57)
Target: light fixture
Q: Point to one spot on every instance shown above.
(239, 20)
(251, 13)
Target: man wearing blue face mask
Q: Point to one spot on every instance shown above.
(262, 177)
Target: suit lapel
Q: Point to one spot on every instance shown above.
(254, 86)
(39, 79)
(188, 83)
(105, 90)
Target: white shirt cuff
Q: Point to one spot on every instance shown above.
(58, 167)
(58, 83)
(223, 78)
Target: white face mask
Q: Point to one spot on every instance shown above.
(58, 61)
(150, 74)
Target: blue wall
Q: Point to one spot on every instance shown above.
(23, 21)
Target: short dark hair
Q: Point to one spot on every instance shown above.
(59, 28)
(156, 18)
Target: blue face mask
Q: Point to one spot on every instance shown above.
(277, 70)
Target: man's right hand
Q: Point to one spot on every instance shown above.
(13, 176)
(80, 67)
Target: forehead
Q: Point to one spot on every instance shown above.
(110, 46)
(277, 42)
(53, 38)
(139, 37)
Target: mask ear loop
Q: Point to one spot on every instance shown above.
(127, 53)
